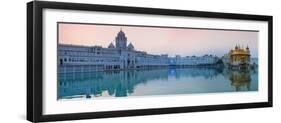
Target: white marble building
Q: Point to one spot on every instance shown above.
(194, 60)
(119, 56)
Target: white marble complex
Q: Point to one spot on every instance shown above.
(121, 56)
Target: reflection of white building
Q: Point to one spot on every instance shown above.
(122, 83)
(120, 56)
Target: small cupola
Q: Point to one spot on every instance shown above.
(131, 46)
(111, 45)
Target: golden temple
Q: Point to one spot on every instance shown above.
(238, 58)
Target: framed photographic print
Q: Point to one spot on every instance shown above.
(89, 61)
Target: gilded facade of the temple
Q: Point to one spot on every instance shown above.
(238, 58)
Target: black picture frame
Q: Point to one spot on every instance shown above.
(35, 69)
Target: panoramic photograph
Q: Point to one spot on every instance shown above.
(98, 61)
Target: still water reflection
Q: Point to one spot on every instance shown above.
(167, 81)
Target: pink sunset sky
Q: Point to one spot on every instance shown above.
(154, 40)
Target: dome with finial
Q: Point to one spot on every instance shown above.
(111, 45)
(236, 47)
(121, 40)
(121, 33)
(247, 48)
(131, 46)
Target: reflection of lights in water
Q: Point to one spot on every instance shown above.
(172, 72)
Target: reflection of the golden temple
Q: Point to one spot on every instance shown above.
(240, 79)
